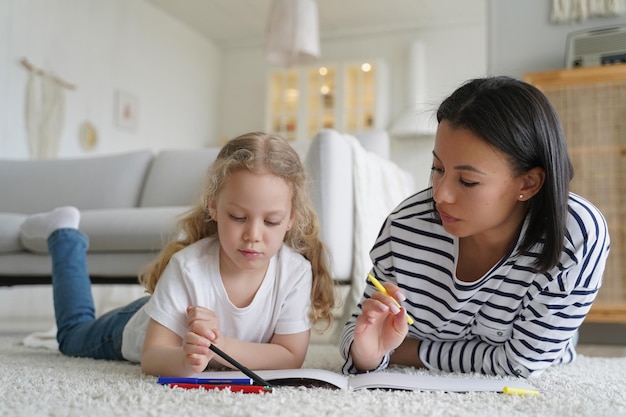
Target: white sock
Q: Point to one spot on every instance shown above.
(42, 224)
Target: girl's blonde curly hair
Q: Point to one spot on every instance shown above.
(258, 153)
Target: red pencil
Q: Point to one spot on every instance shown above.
(246, 389)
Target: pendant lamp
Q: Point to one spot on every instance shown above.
(293, 33)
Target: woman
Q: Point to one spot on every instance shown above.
(497, 262)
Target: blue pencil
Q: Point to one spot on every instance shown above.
(213, 381)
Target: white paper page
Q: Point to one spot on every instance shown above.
(393, 380)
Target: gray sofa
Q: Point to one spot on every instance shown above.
(129, 206)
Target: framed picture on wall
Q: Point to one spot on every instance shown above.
(126, 111)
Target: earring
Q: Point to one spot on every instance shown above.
(521, 196)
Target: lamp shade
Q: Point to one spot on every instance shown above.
(293, 33)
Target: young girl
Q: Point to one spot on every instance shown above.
(497, 263)
(247, 273)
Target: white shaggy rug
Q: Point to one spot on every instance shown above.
(41, 382)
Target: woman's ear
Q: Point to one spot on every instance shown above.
(532, 181)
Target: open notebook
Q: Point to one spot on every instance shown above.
(382, 380)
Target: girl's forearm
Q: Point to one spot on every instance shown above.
(260, 355)
(165, 361)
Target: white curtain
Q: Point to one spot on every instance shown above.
(566, 11)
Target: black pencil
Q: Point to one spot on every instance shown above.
(257, 379)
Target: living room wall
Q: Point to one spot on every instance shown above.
(522, 38)
(103, 47)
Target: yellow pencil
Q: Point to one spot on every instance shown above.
(519, 391)
(382, 289)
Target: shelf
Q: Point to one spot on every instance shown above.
(577, 76)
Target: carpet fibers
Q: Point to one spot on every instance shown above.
(41, 382)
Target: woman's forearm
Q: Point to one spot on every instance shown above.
(407, 354)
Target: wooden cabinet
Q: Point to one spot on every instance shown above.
(349, 97)
(591, 103)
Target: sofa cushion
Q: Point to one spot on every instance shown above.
(122, 230)
(176, 177)
(101, 182)
(101, 264)
(10, 232)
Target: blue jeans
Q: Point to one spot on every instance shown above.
(79, 332)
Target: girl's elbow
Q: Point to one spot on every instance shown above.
(146, 369)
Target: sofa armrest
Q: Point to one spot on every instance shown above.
(329, 166)
(376, 141)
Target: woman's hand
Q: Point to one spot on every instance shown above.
(380, 328)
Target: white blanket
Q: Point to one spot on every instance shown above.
(379, 186)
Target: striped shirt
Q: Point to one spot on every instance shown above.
(512, 321)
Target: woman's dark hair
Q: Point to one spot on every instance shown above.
(516, 118)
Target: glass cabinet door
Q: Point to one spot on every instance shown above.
(343, 96)
(322, 90)
(284, 96)
(360, 97)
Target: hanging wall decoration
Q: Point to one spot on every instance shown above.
(567, 11)
(44, 111)
(87, 136)
(126, 111)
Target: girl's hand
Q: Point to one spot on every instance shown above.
(203, 322)
(380, 328)
(197, 352)
(203, 331)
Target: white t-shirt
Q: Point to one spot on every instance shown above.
(192, 278)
